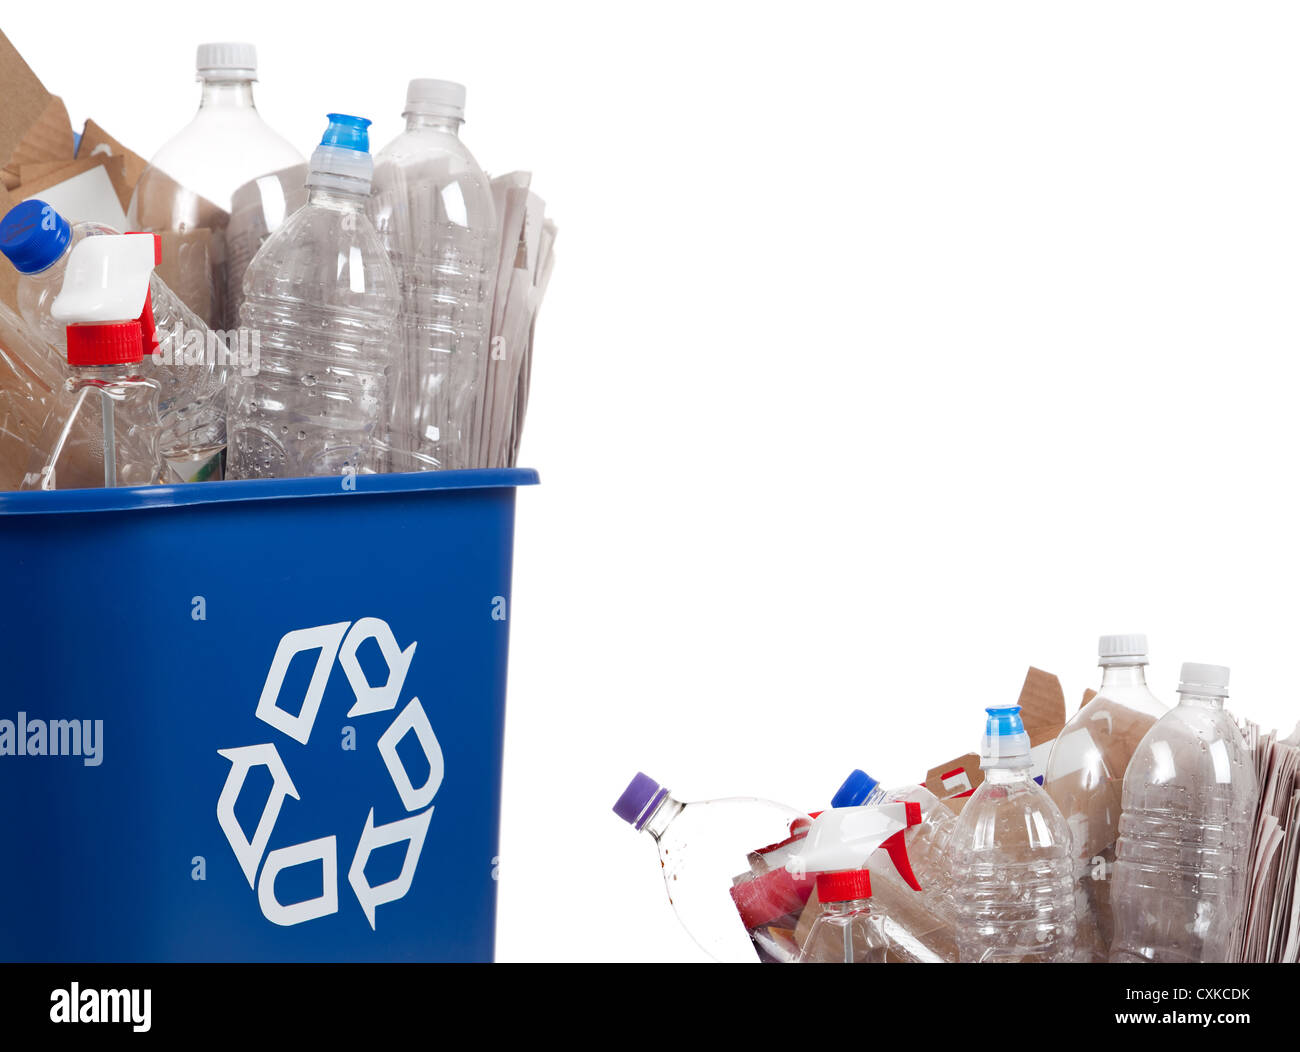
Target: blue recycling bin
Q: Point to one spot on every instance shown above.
(254, 721)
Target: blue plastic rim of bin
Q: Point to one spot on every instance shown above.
(255, 721)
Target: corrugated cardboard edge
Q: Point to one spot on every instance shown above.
(96, 142)
(49, 138)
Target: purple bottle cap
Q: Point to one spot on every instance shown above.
(638, 800)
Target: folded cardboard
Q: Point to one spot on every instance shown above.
(34, 125)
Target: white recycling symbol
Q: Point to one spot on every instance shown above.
(337, 641)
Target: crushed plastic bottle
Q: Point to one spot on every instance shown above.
(189, 186)
(189, 361)
(1011, 858)
(323, 298)
(27, 385)
(1179, 886)
(703, 848)
(1085, 779)
(433, 207)
(104, 400)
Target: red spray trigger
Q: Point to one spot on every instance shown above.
(147, 325)
(897, 847)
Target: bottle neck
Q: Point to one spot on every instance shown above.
(1123, 676)
(847, 906)
(1200, 701)
(230, 94)
(1006, 775)
(450, 125)
(664, 812)
(342, 200)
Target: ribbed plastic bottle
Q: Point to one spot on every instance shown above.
(1011, 858)
(703, 849)
(187, 359)
(106, 414)
(189, 185)
(1179, 887)
(322, 299)
(433, 207)
(1085, 779)
(848, 930)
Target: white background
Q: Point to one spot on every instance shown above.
(891, 348)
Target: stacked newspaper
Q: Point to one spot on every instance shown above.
(1271, 930)
(526, 261)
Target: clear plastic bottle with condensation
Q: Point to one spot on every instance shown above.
(703, 848)
(105, 414)
(1085, 779)
(323, 300)
(189, 186)
(1179, 887)
(433, 207)
(188, 360)
(847, 930)
(1012, 871)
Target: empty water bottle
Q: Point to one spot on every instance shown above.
(188, 361)
(27, 385)
(189, 185)
(703, 848)
(1085, 779)
(1184, 836)
(433, 207)
(322, 299)
(1011, 858)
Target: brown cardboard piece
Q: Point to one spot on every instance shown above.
(34, 124)
(95, 142)
(115, 167)
(1042, 708)
(8, 276)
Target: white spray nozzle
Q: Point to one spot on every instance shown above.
(107, 280)
(846, 837)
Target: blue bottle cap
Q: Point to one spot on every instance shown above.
(855, 790)
(347, 132)
(33, 235)
(1003, 721)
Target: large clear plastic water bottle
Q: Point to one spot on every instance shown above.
(1011, 858)
(1085, 779)
(188, 361)
(189, 185)
(433, 207)
(322, 300)
(704, 848)
(1179, 888)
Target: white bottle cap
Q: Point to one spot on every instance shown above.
(1122, 650)
(1210, 681)
(226, 62)
(435, 98)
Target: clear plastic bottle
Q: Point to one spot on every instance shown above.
(1011, 858)
(1085, 779)
(703, 848)
(189, 185)
(848, 930)
(192, 385)
(106, 413)
(433, 207)
(1179, 887)
(323, 299)
(27, 385)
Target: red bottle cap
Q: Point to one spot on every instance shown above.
(845, 886)
(120, 343)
